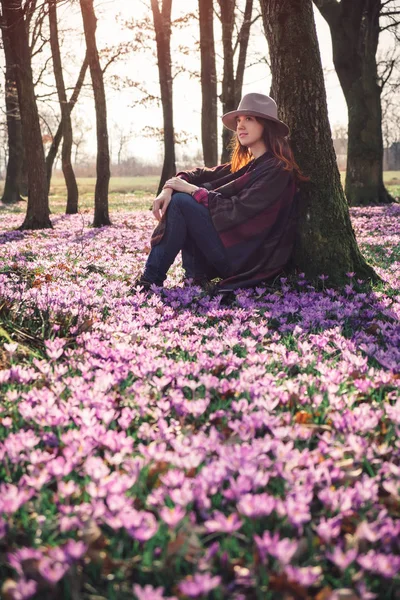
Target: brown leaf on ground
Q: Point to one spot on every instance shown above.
(303, 417)
(324, 594)
(280, 583)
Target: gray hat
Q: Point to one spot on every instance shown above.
(255, 105)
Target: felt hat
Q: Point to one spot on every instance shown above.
(255, 105)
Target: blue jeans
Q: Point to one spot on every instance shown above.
(189, 229)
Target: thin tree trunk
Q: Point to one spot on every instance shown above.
(37, 215)
(228, 95)
(326, 241)
(209, 117)
(12, 186)
(101, 216)
(69, 175)
(354, 26)
(232, 83)
(162, 27)
(55, 144)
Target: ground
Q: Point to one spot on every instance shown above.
(171, 446)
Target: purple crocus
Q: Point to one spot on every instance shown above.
(221, 523)
(148, 592)
(199, 584)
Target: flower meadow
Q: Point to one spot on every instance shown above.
(174, 446)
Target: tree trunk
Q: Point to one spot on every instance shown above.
(162, 27)
(101, 216)
(232, 85)
(228, 95)
(37, 215)
(354, 26)
(209, 117)
(55, 144)
(12, 186)
(326, 242)
(69, 175)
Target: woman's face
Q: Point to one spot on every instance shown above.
(248, 130)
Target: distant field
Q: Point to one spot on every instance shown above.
(135, 193)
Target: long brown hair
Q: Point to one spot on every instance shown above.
(275, 143)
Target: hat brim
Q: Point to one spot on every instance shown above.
(229, 120)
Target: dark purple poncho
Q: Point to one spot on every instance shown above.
(254, 213)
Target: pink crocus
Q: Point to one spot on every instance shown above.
(342, 559)
(20, 590)
(55, 348)
(199, 584)
(75, 549)
(172, 516)
(146, 528)
(305, 576)
(148, 592)
(52, 570)
(256, 505)
(384, 564)
(221, 523)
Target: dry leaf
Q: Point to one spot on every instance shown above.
(303, 417)
(324, 594)
(280, 583)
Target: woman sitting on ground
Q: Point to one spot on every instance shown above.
(235, 221)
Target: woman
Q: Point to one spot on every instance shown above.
(235, 221)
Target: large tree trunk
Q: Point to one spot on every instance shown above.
(37, 215)
(101, 216)
(55, 144)
(354, 26)
(69, 175)
(162, 26)
(209, 117)
(12, 186)
(326, 241)
(232, 83)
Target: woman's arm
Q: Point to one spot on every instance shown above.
(201, 175)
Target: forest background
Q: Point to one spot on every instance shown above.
(127, 48)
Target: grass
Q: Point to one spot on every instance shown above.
(133, 193)
(125, 193)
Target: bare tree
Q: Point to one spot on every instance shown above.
(162, 27)
(12, 186)
(57, 137)
(101, 216)
(232, 81)
(326, 242)
(355, 29)
(37, 215)
(209, 111)
(69, 175)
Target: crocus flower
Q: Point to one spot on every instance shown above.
(172, 516)
(199, 584)
(223, 524)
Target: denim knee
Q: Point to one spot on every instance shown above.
(181, 198)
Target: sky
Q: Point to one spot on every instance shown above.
(128, 118)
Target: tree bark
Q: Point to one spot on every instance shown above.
(37, 215)
(55, 144)
(12, 186)
(354, 26)
(101, 216)
(228, 95)
(69, 175)
(209, 117)
(326, 242)
(232, 83)
(162, 27)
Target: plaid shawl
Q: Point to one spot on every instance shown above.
(255, 214)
